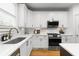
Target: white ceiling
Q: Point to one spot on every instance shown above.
(49, 6)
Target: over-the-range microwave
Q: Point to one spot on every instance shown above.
(53, 24)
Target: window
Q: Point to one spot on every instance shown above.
(8, 14)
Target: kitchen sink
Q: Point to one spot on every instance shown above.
(16, 40)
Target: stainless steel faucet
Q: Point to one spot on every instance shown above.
(9, 36)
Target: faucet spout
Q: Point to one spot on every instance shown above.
(11, 30)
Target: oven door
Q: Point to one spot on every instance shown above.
(54, 42)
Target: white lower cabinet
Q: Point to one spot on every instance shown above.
(68, 39)
(77, 39)
(40, 41)
(35, 42)
(26, 48)
(23, 50)
(44, 41)
(29, 47)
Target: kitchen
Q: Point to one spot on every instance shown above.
(28, 28)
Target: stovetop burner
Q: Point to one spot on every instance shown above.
(54, 35)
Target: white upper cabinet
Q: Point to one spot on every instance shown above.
(36, 20)
(29, 22)
(24, 16)
(63, 18)
(39, 19)
(74, 19)
(60, 16)
(21, 15)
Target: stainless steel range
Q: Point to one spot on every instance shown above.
(54, 40)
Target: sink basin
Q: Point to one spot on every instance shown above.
(16, 40)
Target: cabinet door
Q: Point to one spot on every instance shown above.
(65, 39)
(62, 19)
(29, 47)
(36, 20)
(76, 24)
(30, 44)
(76, 39)
(39, 41)
(71, 39)
(76, 27)
(30, 20)
(43, 20)
(68, 39)
(21, 15)
(44, 41)
(23, 50)
(35, 41)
